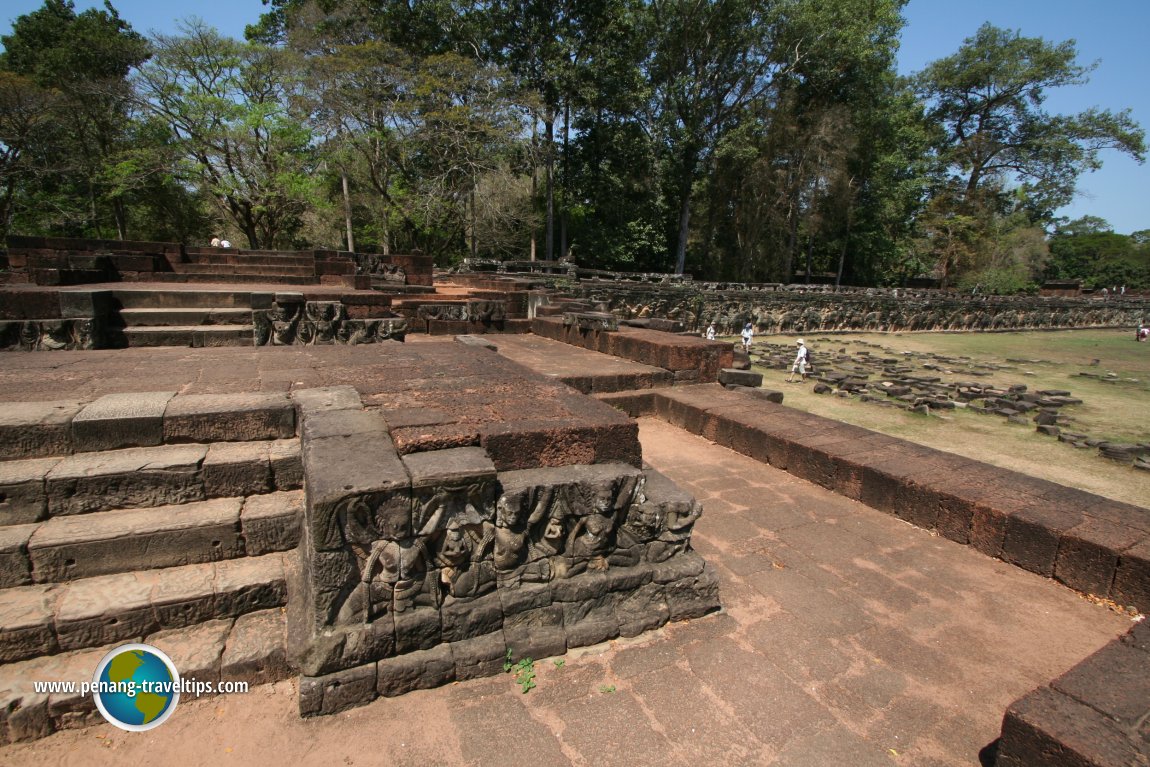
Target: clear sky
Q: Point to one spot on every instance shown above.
(1112, 32)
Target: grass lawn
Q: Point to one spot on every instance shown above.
(1116, 404)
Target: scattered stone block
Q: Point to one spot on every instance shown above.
(740, 378)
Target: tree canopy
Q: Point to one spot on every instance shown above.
(731, 139)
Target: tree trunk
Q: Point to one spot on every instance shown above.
(549, 245)
(810, 255)
(121, 216)
(566, 180)
(474, 235)
(347, 212)
(534, 179)
(690, 158)
(846, 238)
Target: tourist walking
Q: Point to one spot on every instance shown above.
(711, 332)
(748, 335)
(800, 366)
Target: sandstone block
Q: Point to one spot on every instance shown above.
(286, 462)
(195, 650)
(357, 485)
(26, 623)
(417, 670)
(114, 421)
(337, 692)
(272, 522)
(229, 417)
(32, 429)
(23, 487)
(67, 548)
(132, 478)
(110, 608)
(255, 649)
(15, 566)
(236, 469)
(480, 656)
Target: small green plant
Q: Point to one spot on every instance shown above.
(559, 663)
(523, 671)
(606, 688)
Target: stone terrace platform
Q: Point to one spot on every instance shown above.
(436, 395)
(849, 638)
(583, 370)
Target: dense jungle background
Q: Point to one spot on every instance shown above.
(736, 140)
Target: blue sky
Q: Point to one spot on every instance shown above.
(1112, 32)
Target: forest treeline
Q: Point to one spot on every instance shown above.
(743, 140)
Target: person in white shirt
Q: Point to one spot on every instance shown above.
(748, 335)
(800, 365)
(711, 332)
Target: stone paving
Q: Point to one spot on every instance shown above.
(848, 637)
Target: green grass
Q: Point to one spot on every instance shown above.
(1117, 409)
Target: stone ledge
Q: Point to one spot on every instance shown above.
(1094, 714)
(682, 355)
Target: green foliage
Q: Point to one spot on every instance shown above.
(988, 100)
(737, 140)
(522, 670)
(606, 688)
(1088, 250)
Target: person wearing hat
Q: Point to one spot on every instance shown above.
(800, 365)
(748, 334)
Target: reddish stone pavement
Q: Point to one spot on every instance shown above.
(848, 638)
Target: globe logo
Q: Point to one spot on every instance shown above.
(136, 687)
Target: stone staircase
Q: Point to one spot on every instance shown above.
(196, 318)
(132, 518)
(230, 265)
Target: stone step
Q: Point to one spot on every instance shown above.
(248, 649)
(139, 477)
(141, 419)
(246, 258)
(121, 541)
(265, 278)
(198, 336)
(186, 316)
(183, 299)
(48, 619)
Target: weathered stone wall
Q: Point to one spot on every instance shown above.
(290, 320)
(431, 566)
(792, 311)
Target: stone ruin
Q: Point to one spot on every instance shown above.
(427, 555)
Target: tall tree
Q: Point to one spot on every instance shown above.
(84, 60)
(225, 104)
(988, 98)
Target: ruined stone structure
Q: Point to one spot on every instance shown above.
(800, 311)
(436, 542)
